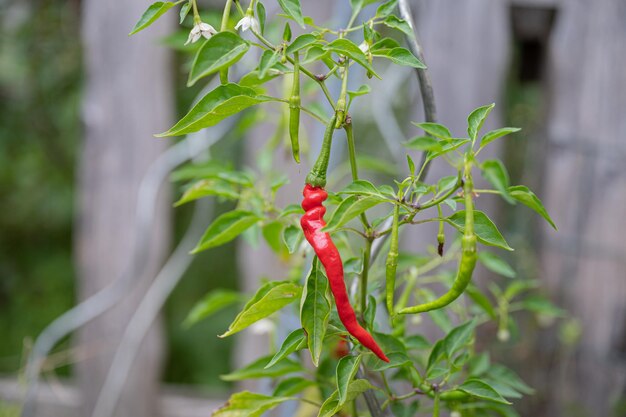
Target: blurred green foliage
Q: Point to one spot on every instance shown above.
(40, 133)
(40, 85)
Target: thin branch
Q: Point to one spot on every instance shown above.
(426, 86)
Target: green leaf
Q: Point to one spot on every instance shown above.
(480, 389)
(184, 11)
(205, 188)
(293, 9)
(478, 364)
(270, 298)
(268, 60)
(257, 369)
(435, 129)
(481, 299)
(349, 209)
(331, 406)
(213, 302)
(363, 188)
(272, 233)
(494, 171)
(351, 50)
(225, 228)
(447, 145)
(384, 43)
(386, 8)
(400, 56)
(458, 337)
(261, 15)
(395, 22)
(525, 196)
(292, 386)
(151, 15)
(496, 264)
(436, 354)
(369, 315)
(486, 232)
(248, 404)
(400, 409)
(301, 42)
(363, 89)
(347, 368)
(292, 236)
(315, 310)
(396, 360)
(476, 119)
(423, 143)
(215, 106)
(295, 341)
(220, 51)
(495, 134)
(506, 376)
(417, 342)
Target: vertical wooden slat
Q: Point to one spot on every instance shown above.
(127, 99)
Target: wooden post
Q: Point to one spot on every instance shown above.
(127, 99)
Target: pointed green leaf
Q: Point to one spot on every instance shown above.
(215, 106)
(293, 9)
(495, 134)
(213, 302)
(347, 368)
(525, 196)
(496, 264)
(363, 188)
(261, 15)
(295, 341)
(480, 389)
(447, 145)
(270, 298)
(349, 209)
(363, 89)
(268, 60)
(396, 360)
(476, 119)
(225, 228)
(494, 171)
(395, 22)
(423, 143)
(386, 8)
(205, 188)
(351, 50)
(292, 386)
(220, 51)
(435, 129)
(384, 43)
(301, 42)
(331, 406)
(248, 404)
(400, 56)
(458, 337)
(257, 369)
(184, 11)
(292, 236)
(151, 15)
(481, 300)
(315, 310)
(486, 231)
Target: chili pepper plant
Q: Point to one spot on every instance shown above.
(360, 348)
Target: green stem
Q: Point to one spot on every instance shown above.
(436, 405)
(223, 28)
(353, 165)
(196, 13)
(365, 274)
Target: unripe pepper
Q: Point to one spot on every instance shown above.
(294, 110)
(312, 222)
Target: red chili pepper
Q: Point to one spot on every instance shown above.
(312, 221)
(341, 349)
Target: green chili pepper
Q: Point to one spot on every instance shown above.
(294, 109)
(392, 260)
(441, 236)
(468, 256)
(317, 175)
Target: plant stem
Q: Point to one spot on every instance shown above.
(353, 166)
(224, 27)
(365, 273)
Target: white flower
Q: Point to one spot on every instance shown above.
(199, 30)
(364, 47)
(262, 326)
(248, 22)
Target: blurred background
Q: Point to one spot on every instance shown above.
(80, 101)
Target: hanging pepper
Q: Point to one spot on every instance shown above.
(312, 222)
(468, 255)
(441, 236)
(294, 109)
